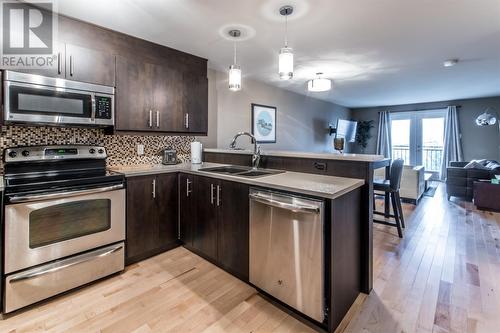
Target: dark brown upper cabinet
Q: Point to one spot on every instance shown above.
(80, 64)
(159, 98)
(58, 69)
(195, 103)
(87, 65)
(134, 97)
(167, 99)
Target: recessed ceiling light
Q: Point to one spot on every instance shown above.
(450, 62)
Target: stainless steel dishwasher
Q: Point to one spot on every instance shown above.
(286, 249)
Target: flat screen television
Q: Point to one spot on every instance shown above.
(346, 129)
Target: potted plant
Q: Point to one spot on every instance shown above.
(363, 133)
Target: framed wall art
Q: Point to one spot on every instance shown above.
(264, 123)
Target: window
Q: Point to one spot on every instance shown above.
(418, 138)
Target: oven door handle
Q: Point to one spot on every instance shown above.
(56, 195)
(67, 263)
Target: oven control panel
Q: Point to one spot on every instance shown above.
(44, 153)
(103, 107)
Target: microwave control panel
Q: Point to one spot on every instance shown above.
(103, 107)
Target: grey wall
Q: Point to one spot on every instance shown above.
(477, 142)
(302, 121)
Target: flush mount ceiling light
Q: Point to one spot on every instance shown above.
(285, 60)
(486, 118)
(319, 84)
(450, 62)
(234, 69)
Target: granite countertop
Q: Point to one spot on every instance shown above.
(297, 154)
(329, 187)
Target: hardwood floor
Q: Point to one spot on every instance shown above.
(443, 276)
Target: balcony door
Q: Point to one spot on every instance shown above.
(418, 137)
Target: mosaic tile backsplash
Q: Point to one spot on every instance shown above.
(122, 149)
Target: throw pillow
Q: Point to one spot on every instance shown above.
(475, 165)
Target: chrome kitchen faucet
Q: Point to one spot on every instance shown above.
(256, 148)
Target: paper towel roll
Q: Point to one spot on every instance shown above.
(196, 151)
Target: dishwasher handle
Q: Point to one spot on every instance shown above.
(309, 209)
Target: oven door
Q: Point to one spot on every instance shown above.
(46, 227)
(33, 103)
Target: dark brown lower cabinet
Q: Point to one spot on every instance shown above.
(205, 226)
(214, 221)
(187, 212)
(152, 211)
(233, 233)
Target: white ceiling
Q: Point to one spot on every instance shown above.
(378, 52)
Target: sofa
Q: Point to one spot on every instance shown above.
(412, 182)
(460, 180)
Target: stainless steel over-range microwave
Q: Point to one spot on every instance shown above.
(38, 99)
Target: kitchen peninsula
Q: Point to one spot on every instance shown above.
(359, 166)
(215, 222)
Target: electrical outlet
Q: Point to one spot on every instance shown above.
(140, 150)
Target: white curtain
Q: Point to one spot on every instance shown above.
(384, 144)
(452, 150)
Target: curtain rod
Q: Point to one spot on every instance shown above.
(424, 109)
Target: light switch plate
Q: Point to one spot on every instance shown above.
(140, 150)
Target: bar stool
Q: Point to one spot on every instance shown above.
(391, 187)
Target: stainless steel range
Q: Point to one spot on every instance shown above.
(64, 221)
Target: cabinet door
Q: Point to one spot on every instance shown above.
(195, 103)
(205, 227)
(167, 92)
(233, 248)
(166, 207)
(89, 65)
(188, 204)
(142, 222)
(133, 95)
(58, 67)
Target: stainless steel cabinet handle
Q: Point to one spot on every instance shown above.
(66, 263)
(59, 63)
(92, 116)
(56, 195)
(218, 195)
(150, 118)
(154, 188)
(212, 187)
(188, 188)
(186, 120)
(71, 65)
(285, 205)
(157, 118)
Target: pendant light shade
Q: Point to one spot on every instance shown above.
(234, 69)
(286, 63)
(285, 60)
(234, 78)
(319, 84)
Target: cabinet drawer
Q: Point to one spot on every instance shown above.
(33, 285)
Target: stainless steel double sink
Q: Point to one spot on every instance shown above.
(241, 171)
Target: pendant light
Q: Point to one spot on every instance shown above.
(285, 60)
(234, 69)
(319, 84)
